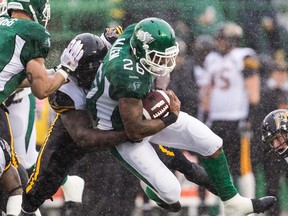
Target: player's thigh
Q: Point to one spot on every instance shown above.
(142, 160)
(188, 133)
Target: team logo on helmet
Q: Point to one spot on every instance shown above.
(145, 37)
(281, 120)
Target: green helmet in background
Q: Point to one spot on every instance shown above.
(154, 44)
(38, 10)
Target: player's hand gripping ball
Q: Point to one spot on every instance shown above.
(155, 104)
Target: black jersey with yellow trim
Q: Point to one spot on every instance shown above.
(68, 97)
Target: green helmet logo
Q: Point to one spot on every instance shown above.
(154, 45)
(38, 10)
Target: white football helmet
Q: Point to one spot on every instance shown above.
(3, 7)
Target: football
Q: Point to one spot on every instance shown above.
(155, 104)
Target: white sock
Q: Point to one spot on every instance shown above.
(247, 185)
(38, 213)
(73, 189)
(13, 206)
(238, 205)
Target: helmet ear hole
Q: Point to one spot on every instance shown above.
(145, 47)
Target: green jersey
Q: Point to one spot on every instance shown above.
(119, 76)
(20, 41)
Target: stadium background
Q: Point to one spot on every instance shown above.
(71, 17)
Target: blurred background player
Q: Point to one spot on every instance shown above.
(234, 94)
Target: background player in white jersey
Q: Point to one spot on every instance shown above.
(234, 94)
(145, 50)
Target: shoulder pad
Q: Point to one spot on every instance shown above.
(39, 40)
(61, 102)
(251, 63)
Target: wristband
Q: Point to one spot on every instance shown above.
(66, 69)
(63, 73)
(170, 119)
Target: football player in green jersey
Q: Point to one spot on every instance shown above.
(146, 50)
(11, 189)
(24, 46)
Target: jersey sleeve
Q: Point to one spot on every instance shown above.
(37, 43)
(251, 62)
(61, 102)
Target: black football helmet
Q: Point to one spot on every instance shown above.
(94, 52)
(275, 133)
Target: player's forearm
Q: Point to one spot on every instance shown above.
(253, 85)
(42, 88)
(99, 140)
(79, 126)
(138, 130)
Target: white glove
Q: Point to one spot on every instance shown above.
(71, 56)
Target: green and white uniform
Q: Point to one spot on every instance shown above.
(122, 76)
(20, 41)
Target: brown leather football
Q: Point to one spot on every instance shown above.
(155, 104)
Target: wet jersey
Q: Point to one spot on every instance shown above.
(119, 76)
(68, 97)
(20, 41)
